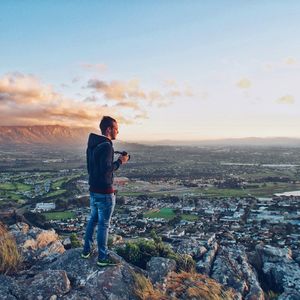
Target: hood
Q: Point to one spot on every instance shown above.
(95, 139)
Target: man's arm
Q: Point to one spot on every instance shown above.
(87, 161)
(108, 164)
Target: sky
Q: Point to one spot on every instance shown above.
(166, 70)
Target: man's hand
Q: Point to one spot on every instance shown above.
(123, 158)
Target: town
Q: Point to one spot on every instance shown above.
(221, 205)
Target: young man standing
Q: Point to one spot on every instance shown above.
(100, 165)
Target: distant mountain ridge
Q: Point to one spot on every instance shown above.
(43, 134)
(247, 141)
(64, 135)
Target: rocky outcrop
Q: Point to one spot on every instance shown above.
(191, 247)
(52, 273)
(231, 268)
(9, 288)
(36, 244)
(281, 272)
(71, 277)
(159, 268)
(46, 284)
(204, 265)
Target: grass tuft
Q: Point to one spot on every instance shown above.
(184, 285)
(10, 258)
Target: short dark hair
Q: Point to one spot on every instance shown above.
(105, 123)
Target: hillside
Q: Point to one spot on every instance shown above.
(47, 134)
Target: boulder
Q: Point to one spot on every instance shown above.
(192, 247)
(67, 243)
(232, 269)
(35, 243)
(282, 273)
(204, 265)
(289, 295)
(269, 253)
(95, 282)
(159, 268)
(46, 284)
(9, 288)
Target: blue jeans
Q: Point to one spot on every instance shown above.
(102, 207)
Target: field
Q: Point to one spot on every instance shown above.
(189, 217)
(16, 186)
(59, 215)
(165, 213)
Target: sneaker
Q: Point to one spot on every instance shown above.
(86, 255)
(106, 263)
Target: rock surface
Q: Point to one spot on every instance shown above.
(231, 268)
(53, 273)
(204, 265)
(281, 271)
(159, 268)
(36, 244)
(46, 284)
(9, 288)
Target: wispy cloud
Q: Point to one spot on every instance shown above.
(286, 63)
(24, 100)
(244, 83)
(94, 67)
(290, 61)
(170, 83)
(131, 94)
(287, 99)
(118, 90)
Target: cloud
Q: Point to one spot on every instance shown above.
(131, 95)
(244, 83)
(94, 67)
(284, 64)
(287, 99)
(24, 100)
(118, 90)
(290, 61)
(170, 83)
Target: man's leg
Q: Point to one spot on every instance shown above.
(105, 210)
(88, 238)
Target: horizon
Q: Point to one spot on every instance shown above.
(169, 71)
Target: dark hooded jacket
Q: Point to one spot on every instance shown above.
(100, 164)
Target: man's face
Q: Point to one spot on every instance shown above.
(114, 131)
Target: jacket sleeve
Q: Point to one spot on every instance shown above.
(87, 161)
(110, 165)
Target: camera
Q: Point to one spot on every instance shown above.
(123, 153)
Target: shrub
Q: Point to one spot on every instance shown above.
(130, 253)
(141, 251)
(184, 262)
(10, 258)
(75, 243)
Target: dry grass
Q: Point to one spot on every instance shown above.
(10, 258)
(144, 289)
(45, 238)
(184, 285)
(196, 286)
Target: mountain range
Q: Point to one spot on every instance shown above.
(43, 134)
(63, 135)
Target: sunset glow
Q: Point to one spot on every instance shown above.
(167, 70)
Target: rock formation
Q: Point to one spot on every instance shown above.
(51, 272)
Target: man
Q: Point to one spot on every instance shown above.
(100, 165)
